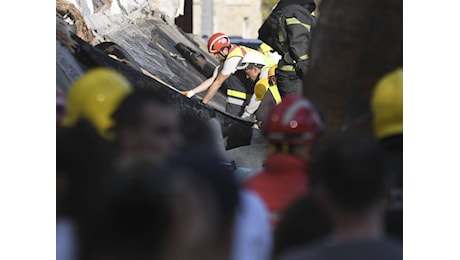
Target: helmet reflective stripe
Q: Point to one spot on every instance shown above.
(292, 110)
(214, 42)
(290, 113)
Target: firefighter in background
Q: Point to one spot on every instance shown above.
(291, 128)
(288, 31)
(230, 57)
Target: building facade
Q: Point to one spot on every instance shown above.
(232, 17)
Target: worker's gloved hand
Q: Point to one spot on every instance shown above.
(245, 115)
(248, 117)
(189, 93)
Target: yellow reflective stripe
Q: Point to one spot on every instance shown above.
(287, 68)
(294, 20)
(235, 93)
(275, 93)
(235, 52)
(280, 35)
(303, 57)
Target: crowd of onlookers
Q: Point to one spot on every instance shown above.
(136, 180)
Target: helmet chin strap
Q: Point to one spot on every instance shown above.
(220, 52)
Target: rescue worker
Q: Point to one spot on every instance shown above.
(291, 129)
(256, 68)
(288, 31)
(94, 97)
(269, 96)
(230, 56)
(387, 121)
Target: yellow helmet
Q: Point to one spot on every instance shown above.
(387, 105)
(261, 88)
(271, 71)
(95, 96)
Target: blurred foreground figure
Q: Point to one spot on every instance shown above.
(387, 110)
(224, 195)
(181, 212)
(351, 186)
(60, 107)
(291, 129)
(303, 223)
(146, 128)
(253, 236)
(94, 97)
(84, 154)
(251, 231)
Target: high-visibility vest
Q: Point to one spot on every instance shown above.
(275, 93)
(237, 96)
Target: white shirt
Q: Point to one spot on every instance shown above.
(230, 65)
(66, 244)
(253, 236)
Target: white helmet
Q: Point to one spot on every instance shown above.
(256, 58)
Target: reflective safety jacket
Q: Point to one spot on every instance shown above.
(288, 31)
(271, 98)
(239, 96)
(236, 94)
(284, 179)
(275, 93)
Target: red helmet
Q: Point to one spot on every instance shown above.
(217, 41)
(295, 120)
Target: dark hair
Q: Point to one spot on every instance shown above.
(82, 158)
(351, 168)
(134, 219)
(195, 130)
(204, 164)
(130, 111)
(304, 222)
